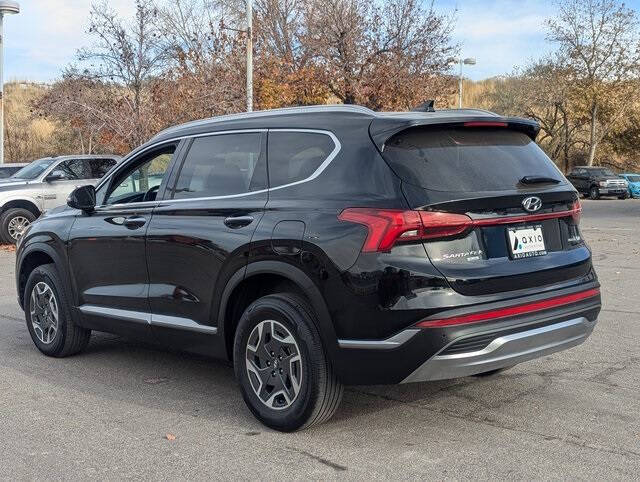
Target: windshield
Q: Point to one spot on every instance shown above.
(633, 178)
(34, 169)
(467, 159)
(603, 172)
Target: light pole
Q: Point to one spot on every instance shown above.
(249, 56)
(467, 61)
(6, 7)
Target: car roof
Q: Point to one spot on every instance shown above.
(331, 117)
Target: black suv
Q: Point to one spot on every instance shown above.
(316, 247)
(596, 181)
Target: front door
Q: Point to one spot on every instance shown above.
(107, 247)
(200, 233)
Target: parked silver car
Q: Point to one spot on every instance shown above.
(42, 185)
(8, 170)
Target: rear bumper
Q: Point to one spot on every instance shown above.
(505, 351)
(451, 351)
(610, 191)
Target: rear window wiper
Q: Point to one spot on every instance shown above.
(539, 180)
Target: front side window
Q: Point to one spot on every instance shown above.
(295, 156)
(222, 165)
(75, 169)
(99, 167)
(141, 181)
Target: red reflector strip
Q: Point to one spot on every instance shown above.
(511, 311)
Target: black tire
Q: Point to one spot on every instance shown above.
(319, 393)
(68, 339)
(594, 193)
(625, 196)
(5, 223)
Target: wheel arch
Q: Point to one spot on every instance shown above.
(34, 255)
(274, 277)
(23, 203)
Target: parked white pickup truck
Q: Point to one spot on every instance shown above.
(45, 184)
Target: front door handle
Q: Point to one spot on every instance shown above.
(134, 222)
(235, 222)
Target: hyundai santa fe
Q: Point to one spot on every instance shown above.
(320, 247)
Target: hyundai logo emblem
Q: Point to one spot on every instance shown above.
(532, 204)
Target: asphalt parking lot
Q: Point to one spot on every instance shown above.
(106, 413)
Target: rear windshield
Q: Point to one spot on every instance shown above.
(467, 159)
(633, 178)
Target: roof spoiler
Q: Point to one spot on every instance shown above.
(382, 128)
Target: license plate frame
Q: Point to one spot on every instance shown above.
(530, 241)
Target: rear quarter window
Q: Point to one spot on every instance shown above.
(466, 159)
(294, 156)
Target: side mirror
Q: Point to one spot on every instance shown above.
(83, 198)
(55, 176)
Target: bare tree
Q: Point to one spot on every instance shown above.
(599, 40)
(125, 58)
(385, 55)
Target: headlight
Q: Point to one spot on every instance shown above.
(602, 183)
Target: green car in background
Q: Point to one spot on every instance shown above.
(634, 184)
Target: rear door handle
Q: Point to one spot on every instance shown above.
(235, 222)
(134, 222)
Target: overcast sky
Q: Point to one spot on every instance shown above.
(500, 34)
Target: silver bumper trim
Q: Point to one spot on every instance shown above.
(388, 344)
(505, 351)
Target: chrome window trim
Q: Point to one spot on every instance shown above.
(337, 148)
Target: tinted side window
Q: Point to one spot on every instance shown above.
(99, 167)
(294, 156)
(222, 165)
(75, 169)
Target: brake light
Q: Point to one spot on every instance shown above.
(388, 226)
(576, 211)
(523, 309)
(485, 124)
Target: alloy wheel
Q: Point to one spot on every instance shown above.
(17, 226)
(274, 364)
(44, 312)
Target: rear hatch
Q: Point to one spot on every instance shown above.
(517, 215)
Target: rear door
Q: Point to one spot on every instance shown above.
(519, 212)
(200, 232)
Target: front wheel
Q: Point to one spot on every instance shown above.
(594, 193)
(13, 224)
(284, 374)
(48, 315)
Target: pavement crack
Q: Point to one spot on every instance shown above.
(328, 463)
(495, 424)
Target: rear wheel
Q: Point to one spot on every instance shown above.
(48, 315)
(285, 377)
(624, 196)
(594, 192)
(13, 224)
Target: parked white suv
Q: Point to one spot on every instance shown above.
(45, 184)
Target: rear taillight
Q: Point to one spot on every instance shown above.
(390, 226)
(576, 211)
